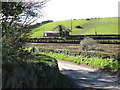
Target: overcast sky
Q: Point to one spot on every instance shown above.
(58, 10)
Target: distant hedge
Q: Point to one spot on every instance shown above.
(114, 56)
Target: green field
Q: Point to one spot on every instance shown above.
(101, 26)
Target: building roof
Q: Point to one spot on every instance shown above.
(51, 32)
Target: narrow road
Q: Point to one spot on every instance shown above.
(86, 77)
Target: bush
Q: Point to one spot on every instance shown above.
(79, 27)
(89, 44)
(87, 19)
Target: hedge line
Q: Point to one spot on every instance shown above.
(114, 56)
(70, 41)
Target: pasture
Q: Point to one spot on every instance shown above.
(89, 27)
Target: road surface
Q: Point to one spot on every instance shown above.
(86, 77)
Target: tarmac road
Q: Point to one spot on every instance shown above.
(88, 78)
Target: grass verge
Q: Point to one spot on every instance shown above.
(40, 72)
(93, 61)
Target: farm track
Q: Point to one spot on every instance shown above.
(88, 78)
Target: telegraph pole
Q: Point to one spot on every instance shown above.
(95, 31)
(71, 25)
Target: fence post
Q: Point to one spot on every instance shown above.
(34, 50)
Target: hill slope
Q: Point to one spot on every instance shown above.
(101, 26)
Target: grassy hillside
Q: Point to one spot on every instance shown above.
(101, 26)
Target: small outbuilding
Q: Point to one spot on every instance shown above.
(51, 33)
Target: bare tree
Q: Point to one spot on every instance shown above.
(61, 28)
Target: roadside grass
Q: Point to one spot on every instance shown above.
(45, 59)
(101, 26)
(93, 61)
(63, 81)
(42, 70)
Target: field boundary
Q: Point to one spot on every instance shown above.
(114, 56)
(103, 39)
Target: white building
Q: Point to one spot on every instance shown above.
(51, 33)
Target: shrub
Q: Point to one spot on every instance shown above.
(89, 44)
(87, 19)
(79, 27)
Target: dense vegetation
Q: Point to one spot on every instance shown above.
(92, 26)
(92, 61)
(20, 68)
(41, 72)
(104, 60)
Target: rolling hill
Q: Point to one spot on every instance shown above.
(99, 25)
